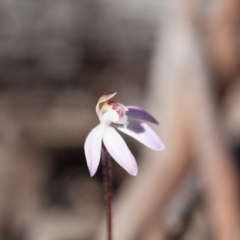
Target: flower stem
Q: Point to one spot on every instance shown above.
(107, 174)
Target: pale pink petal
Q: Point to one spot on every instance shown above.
(109, 117)
(140, 114)
(144, 134)
(119, 151)
(92, 148)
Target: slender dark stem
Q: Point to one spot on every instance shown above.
(107, 174)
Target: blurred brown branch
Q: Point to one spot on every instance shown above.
(219, 24)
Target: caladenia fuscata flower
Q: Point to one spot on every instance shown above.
(127, 119)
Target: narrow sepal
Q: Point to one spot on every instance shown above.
(92, 148)
(119, 150)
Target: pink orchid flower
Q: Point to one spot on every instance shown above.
(127, 119)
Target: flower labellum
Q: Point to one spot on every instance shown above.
(127, 119)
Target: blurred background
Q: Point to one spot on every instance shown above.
(177, 59)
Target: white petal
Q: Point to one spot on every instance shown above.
(92, 147)
(119, 151)
(144, 134)
(140, 114)
(109, 117)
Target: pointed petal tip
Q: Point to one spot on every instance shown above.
(106, 96)
(92, 172)
(134, 173)
(160, 148)
(110, 94)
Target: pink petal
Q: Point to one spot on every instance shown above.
(139, 114)
(144, 134)
(119, 151)
(92, 147)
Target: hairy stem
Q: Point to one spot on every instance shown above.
(107, 174)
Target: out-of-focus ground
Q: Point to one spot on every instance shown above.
(177, 59)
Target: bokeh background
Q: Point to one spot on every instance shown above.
(179, 59)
